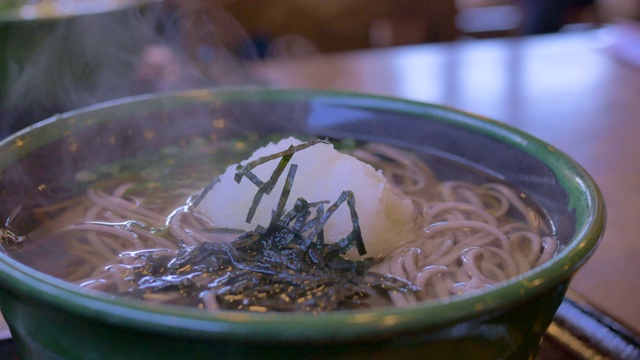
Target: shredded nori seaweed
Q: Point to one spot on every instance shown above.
(286, 266)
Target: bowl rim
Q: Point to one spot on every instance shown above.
(47, 11)
(23, 282)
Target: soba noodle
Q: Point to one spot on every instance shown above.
(470, 239)
(474, 235)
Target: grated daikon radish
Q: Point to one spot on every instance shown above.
(323, 173)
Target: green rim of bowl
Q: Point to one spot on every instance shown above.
(584, 196)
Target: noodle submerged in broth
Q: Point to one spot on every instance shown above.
(144, 234)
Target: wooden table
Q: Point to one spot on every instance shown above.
(566, 89)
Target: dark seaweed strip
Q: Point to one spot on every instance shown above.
(356, 233)
(266, 187)
(273, 179)
(206, 190)
(319, 228)
(249, 175)
(254, 206)
(299, 215)
(355, 236)
(263, 187)
(243, 169)
(284, 196)
(316, 224)
(292, 214)
(303, 214)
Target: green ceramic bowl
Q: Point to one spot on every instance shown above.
(52, 319)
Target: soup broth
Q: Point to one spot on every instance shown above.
(134, 231)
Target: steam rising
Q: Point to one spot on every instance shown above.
(77, 63)
(58, 65)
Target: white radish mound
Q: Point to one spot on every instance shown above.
(323, 173)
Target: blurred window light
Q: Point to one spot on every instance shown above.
(489, 18)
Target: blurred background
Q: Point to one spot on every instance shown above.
(59, 55)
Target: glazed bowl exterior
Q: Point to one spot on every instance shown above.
(50, 318)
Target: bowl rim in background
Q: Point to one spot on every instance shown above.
(46, 10)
